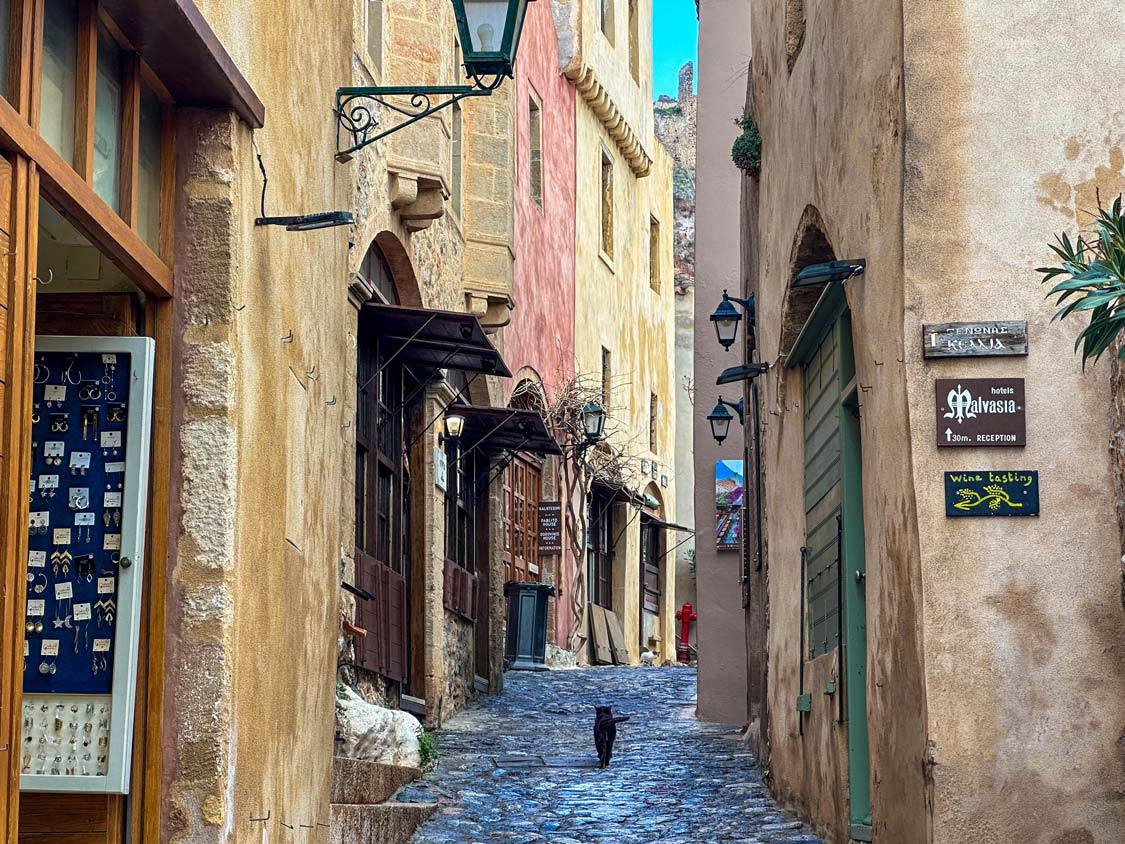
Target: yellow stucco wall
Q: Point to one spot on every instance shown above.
(616, 307)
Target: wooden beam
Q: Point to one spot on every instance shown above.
(77, 201)
(85, 90)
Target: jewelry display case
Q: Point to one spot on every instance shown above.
(91, 421)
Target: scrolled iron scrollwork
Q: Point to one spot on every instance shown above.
(358, 125)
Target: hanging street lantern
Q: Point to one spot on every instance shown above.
(593, 422)
(489, 32)
(720, 419)
(490, 35)
(454, 427)
(726, 318)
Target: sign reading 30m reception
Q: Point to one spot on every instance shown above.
(992, 493)
(980, 412)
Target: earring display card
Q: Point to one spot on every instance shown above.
(79, 407)
(90, 428)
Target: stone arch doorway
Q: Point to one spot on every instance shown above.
(383, 482)
(817, 340)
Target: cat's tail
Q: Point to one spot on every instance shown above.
(619, 718)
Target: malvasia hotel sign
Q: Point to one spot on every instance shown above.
(980, 412)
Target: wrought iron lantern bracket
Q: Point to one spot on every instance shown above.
(357, 125)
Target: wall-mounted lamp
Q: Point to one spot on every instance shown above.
(720, 418)
(309, 222)
(454, 428)
(726, 318)
(593, 422)
(829, 272)
(489, 32)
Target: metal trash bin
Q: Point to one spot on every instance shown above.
(526, 645)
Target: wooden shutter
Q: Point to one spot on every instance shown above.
(823, 489)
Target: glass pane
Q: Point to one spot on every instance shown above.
(486, 19)
(60, 70)
(107, 120)
(148, 171)
(5, 29)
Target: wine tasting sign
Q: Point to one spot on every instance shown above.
(992, 493)
(974, 339)
(980, 412)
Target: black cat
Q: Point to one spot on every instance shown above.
(605, 732)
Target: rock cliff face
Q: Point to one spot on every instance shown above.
(675, 128)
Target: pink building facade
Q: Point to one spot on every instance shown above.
(539, 341)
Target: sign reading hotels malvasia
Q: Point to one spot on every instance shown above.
(974, 339)
(992, 493)
(550, 527)
(980, 412)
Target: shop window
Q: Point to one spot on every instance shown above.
(607, 205)
(59, 76)
(535, 149)
(607, 19)
(607, 377)
(634, 42)
(149, 169)
(599, 550)
(654, 254)
(522, 481)
(457, 159)
(5, 34)
(653, 411)
(107, 119)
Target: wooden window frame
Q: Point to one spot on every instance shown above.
(523, 480)
(606, 209)
(654, 279)
(600, 550)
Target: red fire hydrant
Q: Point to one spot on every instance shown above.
(685, 615)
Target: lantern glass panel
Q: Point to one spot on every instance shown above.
(486, 20)
(720, 428)
(454, 427)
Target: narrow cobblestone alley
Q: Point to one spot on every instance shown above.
(520, 767)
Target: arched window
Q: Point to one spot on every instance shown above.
(375, 270)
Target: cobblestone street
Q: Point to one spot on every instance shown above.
(522, 767)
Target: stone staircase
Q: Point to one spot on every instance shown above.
(363, 808)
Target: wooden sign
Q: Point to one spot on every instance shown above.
(974, 339)
(992, 493)
(550, 527)
(980, 412)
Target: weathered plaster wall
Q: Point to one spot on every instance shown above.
(258, 450)
(724, 48)
(541, 335)
(539, 342)
(1023, 618)
(832, 151)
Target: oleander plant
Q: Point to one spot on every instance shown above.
(1090, 277)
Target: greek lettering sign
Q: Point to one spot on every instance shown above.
(974, 339)
(980, 412)
(992, 493)
(550, 527)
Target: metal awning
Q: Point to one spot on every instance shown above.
(672, 526)
(175, 40)
(504, 428)
(437, 339)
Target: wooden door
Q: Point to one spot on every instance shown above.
(650, 567)
(522, 481)
(600, 550)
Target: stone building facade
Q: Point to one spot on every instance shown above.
(675, 127)
(919, 675)
(624, 293)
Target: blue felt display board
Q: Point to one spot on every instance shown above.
(96, 387)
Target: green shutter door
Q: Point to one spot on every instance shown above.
(823, 494)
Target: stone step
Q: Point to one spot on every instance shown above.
(385, 823)
(357, 782)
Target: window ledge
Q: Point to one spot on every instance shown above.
(607, 260)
